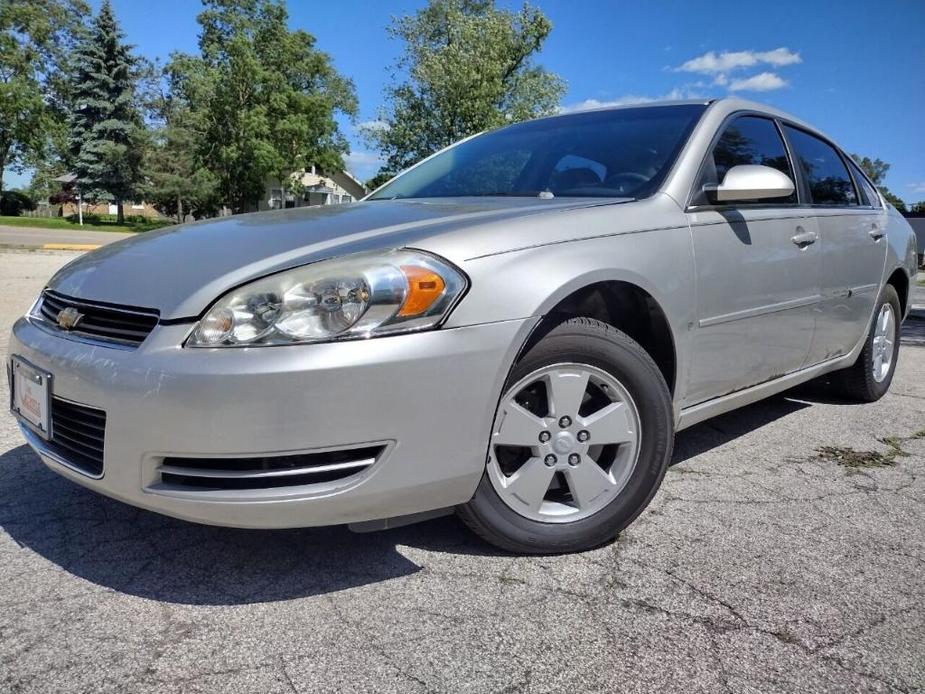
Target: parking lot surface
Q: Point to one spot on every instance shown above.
(785, 552)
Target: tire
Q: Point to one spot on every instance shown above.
(858, 381)
(618, 368)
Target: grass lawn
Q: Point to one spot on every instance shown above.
(90, 223)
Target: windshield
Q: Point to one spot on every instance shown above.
(622, 153)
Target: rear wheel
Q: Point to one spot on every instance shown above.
(580, 443)
(869, 378)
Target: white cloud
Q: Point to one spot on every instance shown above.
(762, 82)
(675, 94)
(720, 70)
(917, 187)
(363, 165)
(711, 63)
(589, 104)
(679, 93)
(364, 159)
(372, 125)
(780, 57)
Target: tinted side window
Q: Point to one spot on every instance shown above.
(748, 140)
(824, 170)
(867, 189)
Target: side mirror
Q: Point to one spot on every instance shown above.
(751, 182)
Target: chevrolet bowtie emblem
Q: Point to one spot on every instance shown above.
(69, 317)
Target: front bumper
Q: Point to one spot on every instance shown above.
(430, 397)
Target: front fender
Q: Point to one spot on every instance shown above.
(529, 283)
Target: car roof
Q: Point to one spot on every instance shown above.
(726, 104)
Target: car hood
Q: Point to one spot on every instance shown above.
(181, 270)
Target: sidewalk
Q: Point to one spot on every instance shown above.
(57, 239)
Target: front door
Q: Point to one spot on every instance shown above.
(757, 271)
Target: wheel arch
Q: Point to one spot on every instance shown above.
(622, 303)
(900, 282)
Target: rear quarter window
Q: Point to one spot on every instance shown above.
(872, 197)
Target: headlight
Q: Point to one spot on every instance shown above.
(352, 297)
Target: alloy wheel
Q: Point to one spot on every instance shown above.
(564, 444)
(884, 337)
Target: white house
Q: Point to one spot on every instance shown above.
(317, 189)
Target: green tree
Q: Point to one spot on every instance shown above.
(876, 170)
(467, 66)
(262, 99)
(106, 132)
(43, 184)
(379, 179)
(919, 207)
(175, 180)
(35, 37)
(892, 199)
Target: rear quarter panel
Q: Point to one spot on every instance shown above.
(902, 249)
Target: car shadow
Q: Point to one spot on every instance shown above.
(717, 431)
(149, 555)
(141, 553)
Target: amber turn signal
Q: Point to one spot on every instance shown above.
(424, 288)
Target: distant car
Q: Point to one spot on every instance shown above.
(513, 329)
(917, 222)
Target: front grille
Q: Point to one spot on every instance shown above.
(77, 434)
(268, 471)
(121, 324)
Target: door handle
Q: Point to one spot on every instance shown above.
(804, 238)
(876, 233)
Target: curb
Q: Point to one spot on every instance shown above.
(23, 248)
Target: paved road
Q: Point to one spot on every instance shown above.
(23, 236)
(761, 566)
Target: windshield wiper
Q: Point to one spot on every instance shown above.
(496, 194)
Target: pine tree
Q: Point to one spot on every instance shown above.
(105, 126)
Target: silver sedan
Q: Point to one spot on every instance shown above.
(513, 329)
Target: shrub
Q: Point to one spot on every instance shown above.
(13, 202)
(92, 218)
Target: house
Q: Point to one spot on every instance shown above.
(67, 200)
(130, 209)
(317, 188)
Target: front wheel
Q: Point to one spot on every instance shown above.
(580, 443)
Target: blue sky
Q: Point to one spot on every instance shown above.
(854, 68)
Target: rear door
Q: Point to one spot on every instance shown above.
(757, 271)
(852, 241)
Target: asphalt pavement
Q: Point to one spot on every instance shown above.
(785, 552)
